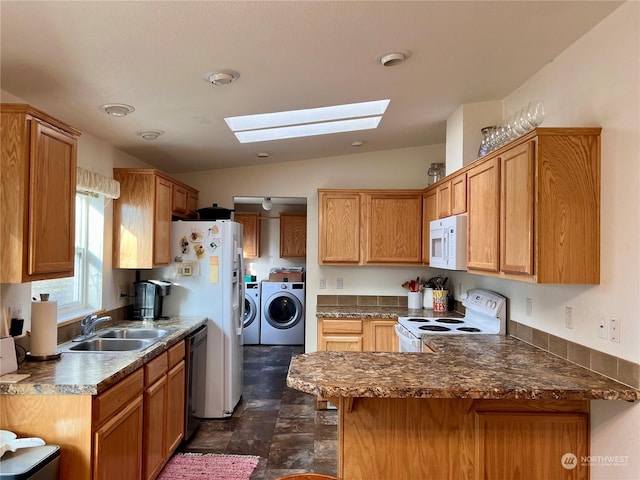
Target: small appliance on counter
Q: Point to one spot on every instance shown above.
(149, 295)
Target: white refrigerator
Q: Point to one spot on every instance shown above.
(207, 272)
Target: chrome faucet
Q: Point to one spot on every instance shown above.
(88, 326)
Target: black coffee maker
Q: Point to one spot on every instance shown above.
(147, 303)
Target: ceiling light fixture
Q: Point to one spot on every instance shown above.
(117, 109)
(390, 59)
(263, 154)
(149, 134)
(357, 143)
(221, 78)
(267, 204)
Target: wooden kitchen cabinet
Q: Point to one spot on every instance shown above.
(483, 215)
(534, 208)
(184, 201)
(192, 204)
(443, 196)
(370, 227)
(429, 213)
(459, 194)
(176, 398)
(250, 222)
(380, 335)
(37, 195)
(339, 231)
(142, 218)
(293, 235)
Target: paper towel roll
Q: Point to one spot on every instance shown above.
(44, 328)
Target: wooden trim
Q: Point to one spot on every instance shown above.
(31, 111)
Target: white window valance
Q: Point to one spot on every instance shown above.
(96, 184)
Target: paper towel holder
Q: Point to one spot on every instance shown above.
(44, 297)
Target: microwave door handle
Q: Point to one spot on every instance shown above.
(445, 246)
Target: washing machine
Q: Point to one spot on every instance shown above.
(251, 334)
(282, 313)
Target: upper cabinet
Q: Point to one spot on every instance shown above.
(293, 235)
(37, 198)
(184, 201)
(534, 208)
(142, 217)
(370, 227)
(250, 222)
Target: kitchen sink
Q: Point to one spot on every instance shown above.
(134, 333)
(111, 345)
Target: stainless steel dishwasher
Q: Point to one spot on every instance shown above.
(196, 362)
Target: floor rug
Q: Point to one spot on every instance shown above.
(192, 466)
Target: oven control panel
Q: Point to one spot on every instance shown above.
(484, 301)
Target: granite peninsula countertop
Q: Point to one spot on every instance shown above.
(462, 366)
(83, 373)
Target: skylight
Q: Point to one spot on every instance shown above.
(307, 122)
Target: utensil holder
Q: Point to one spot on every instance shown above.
(440, 300)
(414, 300)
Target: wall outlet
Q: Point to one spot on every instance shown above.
(323, 283)
(339, 283)
(528, 306)
(614, 328)
(603, 331)
(568, 317)
(123, 291)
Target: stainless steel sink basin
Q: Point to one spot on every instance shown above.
(111, 345)
(136, 333)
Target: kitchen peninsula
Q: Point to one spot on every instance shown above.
(479, 406)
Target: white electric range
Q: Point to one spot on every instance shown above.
(485, 314)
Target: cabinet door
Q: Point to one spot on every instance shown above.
(293, 235)
(175, 407)
(393, 228)
(459, 194)
(162, 224)
(429, 213)
(380, 336)
(534, 443)
(52, 184)
(179, 200)
(443, 192)
(338, 227)
(483, 216)
(192, 204)
(250, 233)
(341, 343)
(155, 415)
(117, 450)
(516, 226)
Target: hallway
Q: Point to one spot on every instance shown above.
(272, 421)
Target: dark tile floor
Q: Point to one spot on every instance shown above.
(273, 421)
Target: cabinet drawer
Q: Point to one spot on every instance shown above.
(341, 326)
(155, 369)
(109, 402)
(176, 354)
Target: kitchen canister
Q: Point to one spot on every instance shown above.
(44, 328)
(427, 298)
(414, 300)
(440, 300)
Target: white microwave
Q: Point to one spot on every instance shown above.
(448, 243)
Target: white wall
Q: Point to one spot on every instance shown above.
(596, 82)
(97, 156)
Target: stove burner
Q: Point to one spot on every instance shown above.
(449, 320)
(420, 320)
(434, 328)
(469, 329)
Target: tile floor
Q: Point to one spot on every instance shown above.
(277, 423)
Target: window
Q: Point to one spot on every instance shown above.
(82, 293)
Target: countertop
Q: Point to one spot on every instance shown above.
(462, 366)
(378, 312)
(82, 373)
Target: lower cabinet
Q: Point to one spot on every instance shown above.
(356, 335)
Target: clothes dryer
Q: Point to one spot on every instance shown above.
(251, 333)
(282, 313)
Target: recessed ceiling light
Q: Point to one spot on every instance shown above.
(357, 143)
(307, 122)
(263, 154)
(389, 59)
(117, 109)
(221, 78)
(149, 134)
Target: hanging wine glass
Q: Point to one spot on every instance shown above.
(535, 113)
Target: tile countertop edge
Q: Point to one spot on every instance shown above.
(56, 377)
(378, 312)
(477, 367)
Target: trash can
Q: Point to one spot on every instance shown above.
(32, 463)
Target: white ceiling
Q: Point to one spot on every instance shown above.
(69, 57)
